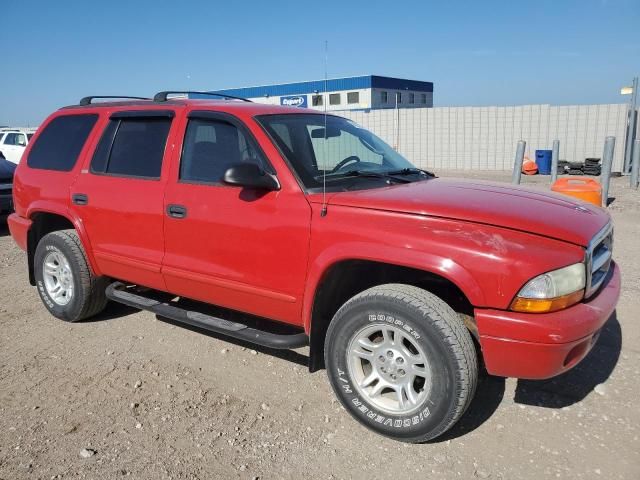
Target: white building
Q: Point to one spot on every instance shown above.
(369, 92)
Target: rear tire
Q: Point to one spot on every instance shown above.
(64, 281)
(401, 362)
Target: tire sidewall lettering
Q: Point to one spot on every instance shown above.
(380, 417)
(44, 295)
(60, 311)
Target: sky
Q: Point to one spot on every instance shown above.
(492, 52)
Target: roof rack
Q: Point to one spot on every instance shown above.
(87, 100)
(162, 96)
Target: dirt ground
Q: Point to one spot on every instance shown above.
(153, 400)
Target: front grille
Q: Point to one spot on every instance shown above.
(599, 254)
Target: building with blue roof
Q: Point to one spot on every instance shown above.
(367, 92)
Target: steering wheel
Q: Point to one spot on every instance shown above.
(342, 163)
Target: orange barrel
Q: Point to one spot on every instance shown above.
(584, 188)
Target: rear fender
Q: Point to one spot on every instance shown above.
(43, 206)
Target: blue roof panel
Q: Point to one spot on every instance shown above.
(400, 84)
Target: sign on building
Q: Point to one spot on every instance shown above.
(294, 101)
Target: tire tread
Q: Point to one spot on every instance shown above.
(94, 287)
(453, 331)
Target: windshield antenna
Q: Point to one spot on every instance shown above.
(323, 212)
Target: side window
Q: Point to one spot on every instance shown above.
(132, 147)
(12, 139)
(212, 146)
(282, 130)
(60, 143)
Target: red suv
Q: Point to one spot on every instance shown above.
(399, 282)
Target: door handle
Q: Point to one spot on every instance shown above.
(176, 211)
(80, 198)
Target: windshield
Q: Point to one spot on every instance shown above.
(339, 150)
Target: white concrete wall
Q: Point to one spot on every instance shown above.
(485, 138)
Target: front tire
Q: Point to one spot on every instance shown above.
(65, 283)
(401, 362)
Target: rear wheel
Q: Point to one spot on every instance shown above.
(401, 362)
(65, 283)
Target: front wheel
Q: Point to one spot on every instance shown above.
(401, 362)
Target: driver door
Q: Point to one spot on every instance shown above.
(240, 248)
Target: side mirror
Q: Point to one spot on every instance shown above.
(251, 176)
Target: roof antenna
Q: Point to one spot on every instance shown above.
(323, 212)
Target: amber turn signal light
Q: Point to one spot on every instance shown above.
(545, 305)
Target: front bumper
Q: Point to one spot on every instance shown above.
(537, 346)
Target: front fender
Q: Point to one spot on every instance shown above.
(392, 255)
(488, 264)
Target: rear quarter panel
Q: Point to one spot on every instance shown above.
(32, 185)
(38, 190)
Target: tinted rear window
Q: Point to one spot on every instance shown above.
(132, 147)
(61, 141)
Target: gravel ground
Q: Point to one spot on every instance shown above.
(128, 395)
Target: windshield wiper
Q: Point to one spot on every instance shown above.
(412, 171)
(364, 174)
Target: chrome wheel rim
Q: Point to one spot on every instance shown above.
(389, 369)
(58, 278)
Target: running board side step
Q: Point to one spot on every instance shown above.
(117, 293)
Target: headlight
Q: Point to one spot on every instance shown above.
(552, 291)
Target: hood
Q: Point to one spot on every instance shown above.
(6, 170)
(518, 208)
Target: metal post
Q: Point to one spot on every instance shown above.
(396, 123)
(607, 160)
(631, 127)
(517, 165)
(635, 164)
(554, 161)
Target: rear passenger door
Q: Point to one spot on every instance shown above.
(120, 196)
